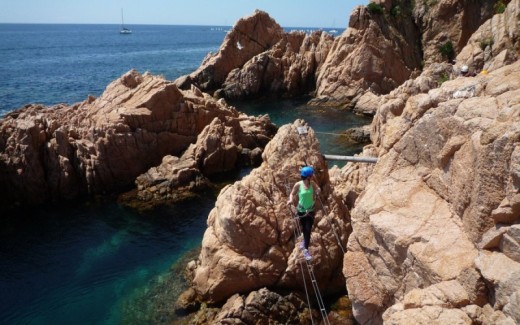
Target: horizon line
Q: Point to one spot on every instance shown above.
(142, 24)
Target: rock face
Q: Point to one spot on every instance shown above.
(249, 37)
(447, 22)
(102, 145)
(384, 45)
(261, 307)
(257, 58)
(249, 242)
(496, 42)
(220, 147)
(443, 193)
(358, 59)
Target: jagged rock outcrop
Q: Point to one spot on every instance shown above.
(249, 37)
(442, 195)
(262, 306)
(359, 59)
(249, 242)
(496, 43)
(257, 58)
(287, 69)
(221, 147)
(446, 25)
(101, 145)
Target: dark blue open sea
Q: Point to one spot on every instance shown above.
(95, 261)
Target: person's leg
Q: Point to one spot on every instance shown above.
(306, 223)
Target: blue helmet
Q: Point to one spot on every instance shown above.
(307, 171)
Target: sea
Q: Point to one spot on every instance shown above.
(94, 260)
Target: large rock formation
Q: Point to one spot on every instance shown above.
(359, 59)
(249, 242)
(102, 145)
(257, 58)
(222, 146)
(441, 197)
(496, 43)
(385, 44)
(249, 37)
(446, 25)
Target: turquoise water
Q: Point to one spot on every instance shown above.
(86, 263)
(327, 122)
(99, 262)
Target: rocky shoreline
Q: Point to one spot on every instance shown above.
(432, 231)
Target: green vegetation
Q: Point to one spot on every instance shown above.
(485, 42)
(375, 8)
(396, 11)
(443, 78)
(499, 7)
(447, 50)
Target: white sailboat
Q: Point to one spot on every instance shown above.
(124, 30)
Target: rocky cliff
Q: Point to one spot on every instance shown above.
(434, 227)
(101, 145)
(385, 44)
(258, 58)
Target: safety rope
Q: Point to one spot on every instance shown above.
(333, 226)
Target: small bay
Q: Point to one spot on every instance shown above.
(95, 261)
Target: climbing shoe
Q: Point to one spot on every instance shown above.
(306, 255)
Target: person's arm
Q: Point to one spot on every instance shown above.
(293, 196)
(317, 192)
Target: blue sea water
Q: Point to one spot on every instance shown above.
(97, 262)
(51, 64)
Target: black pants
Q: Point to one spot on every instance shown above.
(306, 221)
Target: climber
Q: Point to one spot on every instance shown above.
(307, 191)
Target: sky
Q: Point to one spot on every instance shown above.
(288, 13)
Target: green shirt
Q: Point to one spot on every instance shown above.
(305, 198)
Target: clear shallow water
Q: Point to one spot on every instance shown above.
(327, 122)
(100, 263)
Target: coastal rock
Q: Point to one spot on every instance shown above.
(447, 160)
(358, 60)
(257, 58)
(349, 181)
(358, 134)
(250, 240)
(495, 43)
(446, 26)
(367, 104)
(287, 69)
(249, 37)
(101, 146)
(219, 148)
(262, 306)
